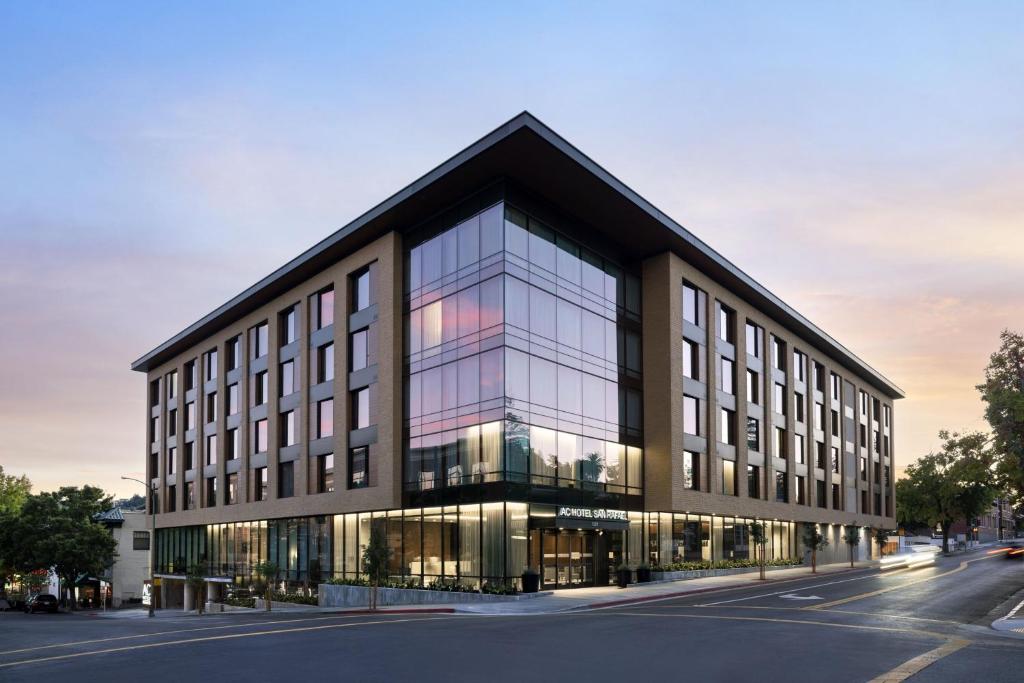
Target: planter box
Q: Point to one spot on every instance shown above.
(359, 596)
(704, 573)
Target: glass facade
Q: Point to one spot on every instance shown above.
(523, 359)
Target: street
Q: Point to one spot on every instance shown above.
(856, 625)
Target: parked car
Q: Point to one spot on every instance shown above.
(44, 602)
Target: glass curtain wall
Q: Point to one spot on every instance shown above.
(523, 353)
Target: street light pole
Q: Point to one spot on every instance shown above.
(152, 542)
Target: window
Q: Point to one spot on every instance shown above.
(140, 540)
(779, 399)
(835, 497)
(287, 429)
(358, 468)
(819, 415)
(780, 442)
(691, 470)
(154, 429)
(190, 455)
(863, 468)
(325, 363)
(258, 340)
(172, 422)
(190, 375)
(799, 366)
(260, 388)
(835, 423)
(154, 393)
(172, 460)
(325, 418)
(728, 478)
(819, 493)
(819, 377)
(753, 481)
(863, 404)
(691, 359)
(231, 495)
(753, 434)
(728, 426)
(211, 407)
(231, 405)
(778, 354)
(190, 495)
(172, 385)
(753, 387)
(234, 351)
(781, 488)
(361, 408)
(211, 364)
(755, 340)
(878, 473)
(799, 452)
(863, 436)
(231, 444)
(289, 325)
(260, 483)
(876, 440)
(190, 415)
(691, 421)
(286, 480)
(835, 459)
(287, 378)
(260, 436)
(211, 449)
(361, 290)
(691, 304)
(801, 486)
(887, 411)
(820, 460)
(358, 350)
(211, 491)
(726, 324)
(172, 499)
(798, 405)
(325, 473)
(324, 308)
(728, 376)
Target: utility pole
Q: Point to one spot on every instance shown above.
(152, 541)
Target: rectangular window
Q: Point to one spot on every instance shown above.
(864, 404)
(728, 478)
(780, 442)
(190, 455)
(154, 393)
(778, 354)
(325, 363)
(361, 408)
(799, 366)
(691, 411)
(753, 434)
(801, 489)
(798, 405)
(835, 423)
(232, 402)
(863, 436)
(755, 340)
(887, 411)
(799, 452)
(260, 483)
(728, 376)
(691, 304)
(231, 444)
(231, 495)
(361, 290)
(172, 498)
(172, 422)
(211, 491)
(260, 436)
(728, 426)
(779, 399)
(358, 356)
(261, 388)
(325, 308)
(781, 488)
(154, 429)
(691, 470)
(863, 468)
(753, 387)
(234, 351)
(140, 540)
(172, 385)
(211, 449)
(836, 385)
(835, 459)
(287, 378)
(325, 418)
(190, 375)
(172, 459)
(358, 467)
(691, 359)
(211, 364)
(285, 480)
(325, 473)
(190, 495)
(726, 324)
(819, 493)
(259, 340)
(819, 415)
(819, 377)
(836, 502)
(820, 459)
(211, 407)
(753, 481)
(289, 325)
(287, 429)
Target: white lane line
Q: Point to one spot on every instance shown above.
(791, 590)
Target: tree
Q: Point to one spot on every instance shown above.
(375, 561)
(955, 483)
(58, 531)
(196, 580)
(1003, 395)
(815, 541)
(852, 539)
(882, 538)
(759, 535)
(267, 574)
(14, 491)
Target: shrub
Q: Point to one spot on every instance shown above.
(240, 602)
(295, 598)
(697, 565)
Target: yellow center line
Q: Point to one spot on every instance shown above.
(226, 636)
(914, 666)
(880, 591)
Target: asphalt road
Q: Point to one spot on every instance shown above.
(853, 626)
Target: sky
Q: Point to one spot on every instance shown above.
(863, 161)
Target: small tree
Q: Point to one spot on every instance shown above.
(267, 573)
(852, 538)
(816, 541)
(759, 535)
(375, 561)
(882, 538)
(196, 580)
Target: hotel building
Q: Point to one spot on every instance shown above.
(515, 361)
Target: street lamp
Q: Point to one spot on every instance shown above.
(152, 541)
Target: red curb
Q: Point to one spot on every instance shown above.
(682, 594)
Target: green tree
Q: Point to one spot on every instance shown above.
(14, 491)
(195, 577)
(815, 541)
(759, 535)
(1003, 395)
(851, 537)
(375, 561)
(955, 483)
(266, 573)
(881, 538)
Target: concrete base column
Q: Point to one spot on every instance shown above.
(189, 598)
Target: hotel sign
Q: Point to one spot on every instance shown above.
(592, 518)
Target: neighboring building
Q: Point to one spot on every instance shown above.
(998, 523)
(515, 361)
(124, 580)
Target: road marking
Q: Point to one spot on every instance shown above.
(817, 585)
(862, 596)
(791, 596)
(225, 636)
(915, 665)
(878, 615)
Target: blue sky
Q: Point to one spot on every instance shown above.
(863, 162)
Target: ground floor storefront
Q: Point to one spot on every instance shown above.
(474, 546)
